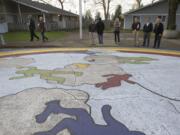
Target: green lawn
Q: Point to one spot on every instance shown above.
(25, 36)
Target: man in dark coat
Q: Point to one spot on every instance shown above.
(32, 28)
(100, 30)
(147, 29)
(158, 30)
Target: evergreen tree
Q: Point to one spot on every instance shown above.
(118, 12)
(173, 6)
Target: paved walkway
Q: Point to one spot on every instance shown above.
(89, 91)
(72, 40)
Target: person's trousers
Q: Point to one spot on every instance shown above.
(117, 36)
(92, 38)
(147, 36)
(136, 38)
(43, 36)
(157, 41)
(100, 37)
(33, 34)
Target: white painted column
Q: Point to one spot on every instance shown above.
(44, 17)
(85, 7)
(20, 14)
(2, 39)
(80, 19)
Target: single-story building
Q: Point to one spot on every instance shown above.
(151, 11)
(16, 12)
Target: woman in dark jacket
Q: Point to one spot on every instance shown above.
(92, 30)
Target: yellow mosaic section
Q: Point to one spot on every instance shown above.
(81, 66)
(51, 50)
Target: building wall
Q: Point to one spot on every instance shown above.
(160, 9)
(15, 22)
(65, 22)
(178, 22)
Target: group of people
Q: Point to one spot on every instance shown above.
(98, 26)
(148, 29)
(41, 28)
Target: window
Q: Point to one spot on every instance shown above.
(138, 17)
(163, 18)
(60, 17)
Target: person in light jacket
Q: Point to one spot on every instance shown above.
(117, 25)
(136, 26)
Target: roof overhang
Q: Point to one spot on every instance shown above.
(141, 8)
(25, 4)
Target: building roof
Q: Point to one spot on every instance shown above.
(147, 6)
(44, 7)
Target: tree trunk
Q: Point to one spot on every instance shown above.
(62, 6)
(173, 5)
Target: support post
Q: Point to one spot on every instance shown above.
(2, 39)
(80, 19)
(20, 14)
(44, 17)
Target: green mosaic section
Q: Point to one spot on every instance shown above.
(135, 60)
(48, 75)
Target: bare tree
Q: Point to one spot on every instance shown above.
(139, 3)
(153, 1)
(105, 4)
(62, 3)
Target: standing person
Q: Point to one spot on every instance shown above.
(136, 26)
(32, 28)
(42, 29)
(158, 30)
(100, 30)
(147, 29)
(117, 25)
(92, 30)
(3, 29)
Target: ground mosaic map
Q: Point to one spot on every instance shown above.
(92, 93)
